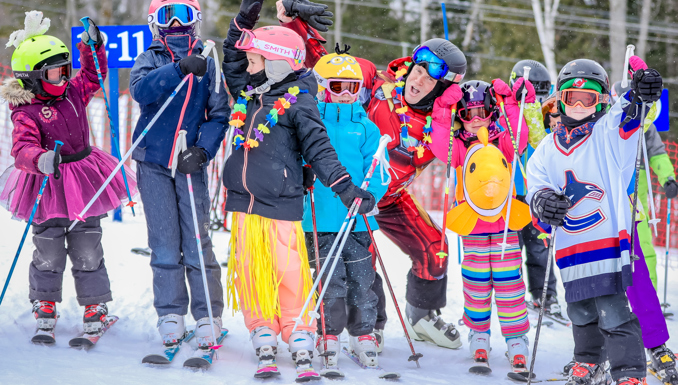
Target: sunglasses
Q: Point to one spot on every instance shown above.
(339, 87)
(468, 115)
(185, 14)
(248, 41)
(586, 98)
(435, 66)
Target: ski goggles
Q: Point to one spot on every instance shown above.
(586, 98)
(248, 41)
(468, 115)
(52, 74)
(183, 13)
(435, 66)
(344, 86)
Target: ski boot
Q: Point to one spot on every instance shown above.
(46, 316)
(663, 365)
(265, 343)
(331, 356)
(518, 352)
(425, 325)
(172, 329)
(479, 345)
(586, 374)
(379, 335)
(568, 367)
(631, 381)
(365, 348)
(301, 346)
(95, 318)
(203, 332)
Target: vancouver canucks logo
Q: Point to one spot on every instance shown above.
(578, 191)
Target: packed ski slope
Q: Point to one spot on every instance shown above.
(116, 358)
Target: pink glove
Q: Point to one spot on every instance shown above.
(501, 88)
(530, 97)
(441, 107)
(635, 64)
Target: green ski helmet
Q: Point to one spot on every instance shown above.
(33, 59)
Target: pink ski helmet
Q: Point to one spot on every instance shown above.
(162, 13)
(274, 43)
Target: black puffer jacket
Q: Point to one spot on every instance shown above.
(267, 180)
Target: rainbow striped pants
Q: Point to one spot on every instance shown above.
(484, 270)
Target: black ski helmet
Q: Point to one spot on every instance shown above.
(539, 77)
(585, 69)
(450, 54)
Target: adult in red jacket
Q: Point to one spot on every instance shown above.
(406, 97)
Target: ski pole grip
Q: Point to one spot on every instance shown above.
(526, 72)
(209, 44)
(383, 142)
(57, 158)
(629, 52)
(85, 23)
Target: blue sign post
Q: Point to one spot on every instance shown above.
(123, 44)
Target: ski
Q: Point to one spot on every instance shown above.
(481, 363)
(518, 377)
(267, 366)
(557, 317)
(145, 251)
(661, 375)
(44, 337)
(331, 372)
(169, 353)
(384, 374)
(88, 340)
(304, 366)
(202, 358)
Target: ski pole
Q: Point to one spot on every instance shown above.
(516, 156)
(78, 217)
(181, 145)
(666, 263)
(635, 188)
(444, 9)
(57, 175)
(442, 254)
(348, 221)
(113, 123)
(415, 356)
(654, 219)
(227, 154)
(500, 102)
(317, 264)
(543, 301)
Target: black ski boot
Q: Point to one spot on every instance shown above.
(46, 316)
(95, 318)
(663, 365)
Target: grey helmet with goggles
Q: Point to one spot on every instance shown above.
(443, 60)
(162, 14)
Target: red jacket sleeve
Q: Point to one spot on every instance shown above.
(314, 41)
(86, 81)
(26, 141)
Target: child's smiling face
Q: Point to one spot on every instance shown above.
(345, 98)
(255, 63)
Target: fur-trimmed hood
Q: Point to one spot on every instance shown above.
(14, 94)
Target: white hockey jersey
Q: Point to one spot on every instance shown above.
(592, 246)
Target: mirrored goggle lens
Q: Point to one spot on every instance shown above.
(469, 114)
(435, 66)
(56, 74)
(571, 97)
(341, 86)
(246, 40)
(182, 12)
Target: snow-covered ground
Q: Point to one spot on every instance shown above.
(116, 359)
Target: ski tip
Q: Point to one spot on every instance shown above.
(480, 370)
(390, 376)
(521, 377)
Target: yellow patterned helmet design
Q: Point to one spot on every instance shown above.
(339, 65)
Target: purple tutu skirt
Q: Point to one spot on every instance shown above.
(67, 196)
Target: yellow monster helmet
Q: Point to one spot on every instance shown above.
(339, 65)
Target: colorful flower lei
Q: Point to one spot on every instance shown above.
(239, 115)
(405, 119)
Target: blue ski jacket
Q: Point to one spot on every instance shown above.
(355, 139)
(196, 108)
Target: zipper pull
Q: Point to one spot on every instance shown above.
(338, 112)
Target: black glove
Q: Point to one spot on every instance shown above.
(316, 15)
(191, 160)
(309, 178)
(671, 188)
(352, 192)
(550, 207)
(194, 64)
(648, 84)
(249, 9)
(92, 35)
